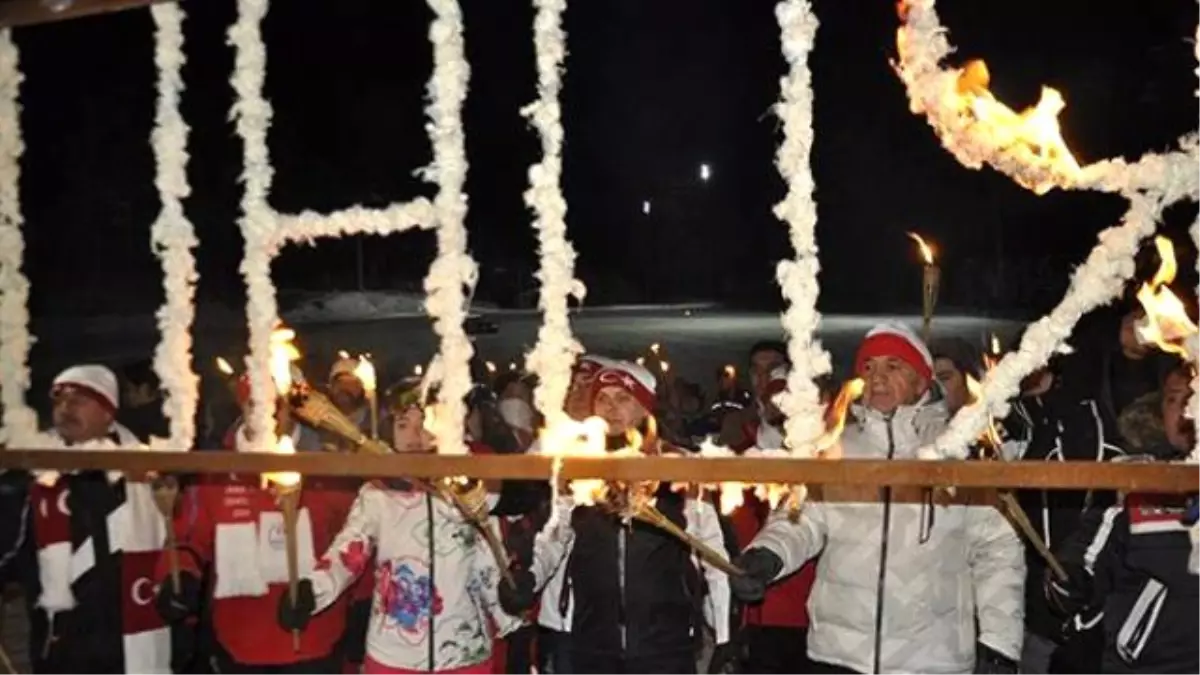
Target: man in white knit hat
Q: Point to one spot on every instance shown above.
(96, 537)
(903, 584)
(85, 400)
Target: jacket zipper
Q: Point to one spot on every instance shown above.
(432, 580)
(883, 553)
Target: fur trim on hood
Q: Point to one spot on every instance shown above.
(1141, 425)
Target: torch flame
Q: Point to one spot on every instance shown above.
(654, 348)
(664, 366)
(1032, 137)
(491, 367)
(283, 479)
(1166, 323)
(730, 371)
(283, 353)
(835, 418)
(926, 250)
(995, 345)
(365, 372)
(223, 366)
(991, 435)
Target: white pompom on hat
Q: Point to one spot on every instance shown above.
(896, 340)
(516, 413)
(631, 377)
(97, 381)
(343, 366)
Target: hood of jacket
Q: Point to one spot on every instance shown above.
(1141, 425)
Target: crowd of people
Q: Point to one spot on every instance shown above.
(394, 577)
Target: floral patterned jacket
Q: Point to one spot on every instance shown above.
(435, 606)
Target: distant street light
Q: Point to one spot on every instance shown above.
(705, 172)
(646, 207)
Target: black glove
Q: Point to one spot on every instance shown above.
(760, 567)
(1067, 598)
(516, 599)
(175, 607)
(296, 617)
(988, 661)
(726, 658)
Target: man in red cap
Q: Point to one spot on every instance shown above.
(902, 585)
(636, 597)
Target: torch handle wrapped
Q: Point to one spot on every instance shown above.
(478, 519)
(652, 516)
(930, 280)
(289, 503)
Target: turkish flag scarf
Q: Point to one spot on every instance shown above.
(91, 533)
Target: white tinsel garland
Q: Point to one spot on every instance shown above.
(20, 421)
(1108, 268)
(308, 226)
(453, 273)
(252, 114)
(1151, 184)
(934, 92)
(801, 403)
(556, 349)
(172, 235)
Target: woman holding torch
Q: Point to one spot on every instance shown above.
(434, 607)
(639, 596)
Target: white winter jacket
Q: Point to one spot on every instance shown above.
(432, 603)
(944, 565)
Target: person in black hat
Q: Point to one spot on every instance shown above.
(954, 360)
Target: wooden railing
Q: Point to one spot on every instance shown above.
(31, 12)
(1147, 477)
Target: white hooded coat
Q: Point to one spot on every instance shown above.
(943, 565)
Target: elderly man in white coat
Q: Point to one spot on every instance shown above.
(903, 584)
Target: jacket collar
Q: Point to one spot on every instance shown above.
(911, 426)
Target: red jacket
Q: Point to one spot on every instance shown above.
(246, 626)
(786, 603)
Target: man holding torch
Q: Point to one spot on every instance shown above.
(234, 527)
(902, 584)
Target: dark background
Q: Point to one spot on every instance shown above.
(653, 89)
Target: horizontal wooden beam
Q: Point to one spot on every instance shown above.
(31, 12)
(1153, 477)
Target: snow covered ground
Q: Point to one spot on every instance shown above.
(352, 306)
(355, 306)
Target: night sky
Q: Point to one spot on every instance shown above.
(654, 88)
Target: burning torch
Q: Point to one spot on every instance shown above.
(286, 484)
(931, 276)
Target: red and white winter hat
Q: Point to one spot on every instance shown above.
(95, 381)
(343, 366)
(896, 340)
(777, 381)
(631, 377)
(590, 365)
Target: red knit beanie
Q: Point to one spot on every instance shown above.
(896, 340)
